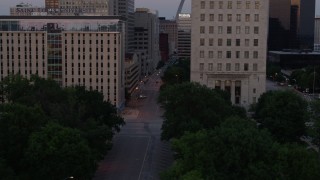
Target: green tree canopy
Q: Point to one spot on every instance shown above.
(17, 123)
(192, 107)
(283, 113)
(57, 152)
(237, 149)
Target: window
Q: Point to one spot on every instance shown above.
(220, 17)
(255, 42)
(254, 100)
(220, 29)
(238, 4)
(219, 54)
(246, 67)
(238, 30)
(257, 5)
(255, 54)
(201, 54)
(202, 42)
(254, 90)
(201, 66)
(247, 4)
(247, 17)
(237, 42)
(202, 17)
(211, 17)
(229, 30)
(246, 54)
(219, 68)
(211, 29)
(228, 67)
(210, 42)
(237, 67)
(229, 4)
(247, 29)
(255, 68)
(229, 17)
(256, 30)
(210, 68)
(220, 4)
(238, 17)
(211, 4)
(202, 30)
(246, 42)
(203, 5)
(237, 54)
(256, 17)
(220, 42)
(210, 54)
(228, 54)
(228, 42)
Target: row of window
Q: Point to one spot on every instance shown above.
(229, 17)
(229, 29)
(229, 4)
(230, 54)
(228, 67)
(236, 42)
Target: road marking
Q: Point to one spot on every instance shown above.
(144, 159)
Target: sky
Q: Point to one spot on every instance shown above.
(166, 8)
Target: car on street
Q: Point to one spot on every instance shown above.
(142, 96)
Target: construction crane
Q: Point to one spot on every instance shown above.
(179, 9)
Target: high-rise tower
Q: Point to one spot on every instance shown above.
(229, 47)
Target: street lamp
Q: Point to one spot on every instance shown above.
(71, 177)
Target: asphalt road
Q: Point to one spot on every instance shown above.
(138, 153)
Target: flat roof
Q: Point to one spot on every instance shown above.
(62, 17)
(295, 52)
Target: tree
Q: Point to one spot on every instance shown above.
(315, 129)
(178, 73)
(284, 114)
(57, 152)
(17, 123)
(237, 149)
(192, 107)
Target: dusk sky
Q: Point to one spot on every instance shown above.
(167, 8)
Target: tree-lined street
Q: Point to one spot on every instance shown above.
(138, 153)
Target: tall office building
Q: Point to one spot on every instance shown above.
(291, 24)
(170, 27)
(229, 47)
(126, 8)
(73, 50)
(184, 36)
(147, 37)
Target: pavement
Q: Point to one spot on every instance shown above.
(138, 152)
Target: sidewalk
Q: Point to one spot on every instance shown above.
(129, 113)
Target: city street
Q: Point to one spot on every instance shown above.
(138, 153)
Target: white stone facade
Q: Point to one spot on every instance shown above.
(229, 47)
(93, 58)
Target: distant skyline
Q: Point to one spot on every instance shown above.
(166, 8)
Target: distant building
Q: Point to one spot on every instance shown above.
(294, 59)
(132, 71)
(72, 50)
(164, 46)
(170, 27)
(126, 8)
(184, 35)
(229, 47)
(317, 34)
(291, 24)
(147, 37)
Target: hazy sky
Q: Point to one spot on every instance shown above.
(167, 8)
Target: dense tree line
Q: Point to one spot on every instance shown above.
(213, 139)
(49, 132)
(177, 73)
(306, 78)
